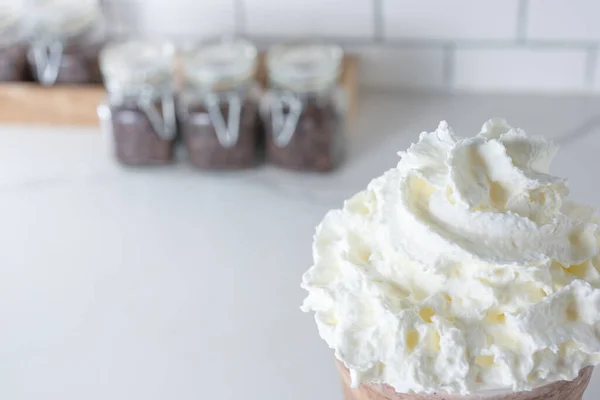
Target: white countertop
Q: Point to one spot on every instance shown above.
(175, 284)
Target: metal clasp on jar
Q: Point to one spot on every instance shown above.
(284, 124)
(227, 131)
(46, 57)
(164, 123)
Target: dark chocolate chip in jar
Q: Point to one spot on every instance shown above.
(136, 140)
(315, 143)
(202, 141)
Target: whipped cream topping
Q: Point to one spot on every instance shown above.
(465, 269)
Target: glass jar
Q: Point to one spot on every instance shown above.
(139, 116)
(65, 40)
(13, 47)
(305, 108)
(218, 106)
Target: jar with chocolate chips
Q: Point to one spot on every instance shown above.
(66, 37)
(13, 47)
(139, 116)
(218, 106)
(304, 109)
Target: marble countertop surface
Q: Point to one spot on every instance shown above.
(175, 284)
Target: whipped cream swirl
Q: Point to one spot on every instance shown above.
(465, 269)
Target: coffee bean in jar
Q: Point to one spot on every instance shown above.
(13, 47)
(65, 41)
(310, 141)
(137, 140)
(304, 110)
(208, 148)
(219, 105)
(140, 111)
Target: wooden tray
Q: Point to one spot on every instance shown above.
(30, 103)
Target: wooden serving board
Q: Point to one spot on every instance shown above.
(30, 103)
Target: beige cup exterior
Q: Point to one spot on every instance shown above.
(562, 390)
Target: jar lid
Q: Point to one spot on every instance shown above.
(135, 62)
(221, 63)
(304, 67)
(61, 18)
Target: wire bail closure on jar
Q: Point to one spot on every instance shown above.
(296, 72)
(219, 71)
(164, 122)
(51, 24)
(227, 131)
(142, 71)
(284, 125)
(47, 57)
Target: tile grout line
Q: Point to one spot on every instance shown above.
(239, 15)
(378, 24)
(591, 63)
(460, 43)
(448, 65)
(522, 20)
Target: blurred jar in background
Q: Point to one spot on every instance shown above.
(13, 47)
(65, 39)
(218, 106)
(140, 115)
(305, 108)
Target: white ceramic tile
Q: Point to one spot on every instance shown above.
(185, 17)
(314, 18)
(523, 69)
(563, 19)
(596, 76)
(121, 16)
(401, 68)
(456, 19)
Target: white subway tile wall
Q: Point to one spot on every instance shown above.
(465, 45)
(302, 18)
(519, 69)
(450, 20)
(412, 68)
(180, 18)
(594, 76)
(564, 20)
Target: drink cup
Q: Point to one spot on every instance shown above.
(561, 390)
